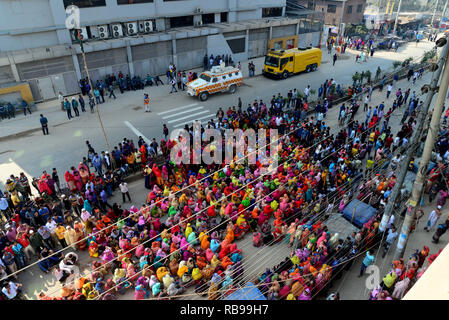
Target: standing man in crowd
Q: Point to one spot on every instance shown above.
(173, 85)
(44, 124)
(68, 108)
(124, 190)
(146, 102)
(75, 106)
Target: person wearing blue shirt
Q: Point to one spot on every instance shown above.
(367, 261)
(44, 213)
(44, 124)
(68, 108)
(19, 255)
(25, 107)
(96, 162)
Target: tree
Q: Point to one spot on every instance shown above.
(355, 78)
(368, 76)
(396, 64)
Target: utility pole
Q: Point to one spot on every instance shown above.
(444, 11)
(418, 185)
(78, 36)
(413, 143)
(341, 22)
(434, 12)
(397, 17)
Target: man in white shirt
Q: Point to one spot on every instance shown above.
(395, 162)
(61, 100)
(11, 290)
(389, 89)
(307, 92)
(124, 190)
(51, 226)
(278, 121)
(294, 98)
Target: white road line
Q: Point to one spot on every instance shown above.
(182, 112)
(210, 116)
(137, 132)
(191, 116)
(180, 108)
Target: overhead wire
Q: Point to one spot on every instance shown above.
(138, 212)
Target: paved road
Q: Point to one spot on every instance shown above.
(255, 260)
(125, 117)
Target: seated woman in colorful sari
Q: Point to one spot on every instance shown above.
(93, 249)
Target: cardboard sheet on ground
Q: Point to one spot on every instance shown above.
(358, 212)
(248, 292)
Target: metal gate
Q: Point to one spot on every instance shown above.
(58, 84)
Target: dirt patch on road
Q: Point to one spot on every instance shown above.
(137, 108)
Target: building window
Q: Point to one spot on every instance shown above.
(85, 3)
(271, 12)
(349, 9)
(237, 45)
(208, 18)
(133, 1)
(332, 8)
(184, 21)
(310, 5)
(359, 8)
(224, 17)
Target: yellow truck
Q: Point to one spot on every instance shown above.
(283, 63)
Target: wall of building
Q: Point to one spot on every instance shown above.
(34, 23)
(334, 18)
(258, 42)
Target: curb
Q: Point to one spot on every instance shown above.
(27, 132)
(19, 134)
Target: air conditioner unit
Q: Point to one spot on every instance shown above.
(103, 31)
(94, 34)
(198, 23)
(83, 34)
(131, 28)
(198, 10)
(117, 30)
(145, 26)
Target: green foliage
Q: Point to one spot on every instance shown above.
(407, 61)
(429, 56)
(356, 77)
(396, 64)
(368, 75)
(312, 91)
(356, 30)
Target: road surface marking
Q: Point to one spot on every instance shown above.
(137, 132)
(191, 116)
(209, 116)
(176, 109)
(182, 112)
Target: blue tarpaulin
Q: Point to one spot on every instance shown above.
(358, 212)
(248, 292)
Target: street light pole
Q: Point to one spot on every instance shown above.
(418, 185)
(397, 17)
(94, 100)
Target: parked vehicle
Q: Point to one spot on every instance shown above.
(218, 79)
(283, 63)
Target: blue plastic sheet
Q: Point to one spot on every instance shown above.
(248, 292)
(358, 212)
